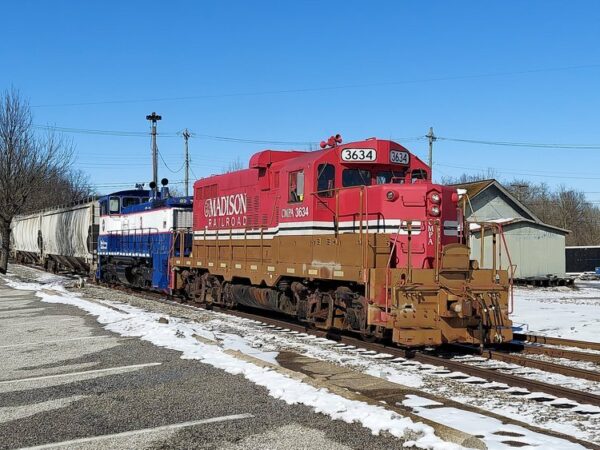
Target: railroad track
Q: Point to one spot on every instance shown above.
(548, 340)
(531, 385)
(553, 352)
(516, 355)
(488, 374)
(547, 366)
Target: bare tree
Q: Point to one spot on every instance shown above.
(563, 207)
(234, 166)
(27, 164)
(489, 174)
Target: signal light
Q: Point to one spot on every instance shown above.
(434, 210)
(391, 196)
(435, 198)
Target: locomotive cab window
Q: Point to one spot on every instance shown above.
(104, 207)
(390, 176)
(356, 177)
(114, 205)
(128, 201)
(325, 180)
(296, 186)
(418, 174)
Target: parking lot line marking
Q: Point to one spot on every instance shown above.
(87, 372)
(25, 344)
(20, 311)
(7, 323)
(174, 426)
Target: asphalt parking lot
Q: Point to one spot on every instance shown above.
(68, 383)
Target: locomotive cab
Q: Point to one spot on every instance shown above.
(116, 202)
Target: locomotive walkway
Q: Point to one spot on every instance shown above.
(68, 383)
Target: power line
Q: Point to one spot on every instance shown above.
(511, 172)
(167, 166)
(92, 131)
(171, 135)
(324, 88)
(194, 173)
(523, 144)
(125, 183)
(312, 143)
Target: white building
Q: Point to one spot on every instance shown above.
(535, 248)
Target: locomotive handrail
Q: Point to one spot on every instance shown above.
(496, 228)
(137, 243)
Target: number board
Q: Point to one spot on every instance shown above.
(399, 157)
(359, 154)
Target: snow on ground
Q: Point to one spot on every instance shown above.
(179, 335)
(492, 431)
(255, 337)
(572, 313)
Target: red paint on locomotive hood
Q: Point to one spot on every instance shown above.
(293, 192)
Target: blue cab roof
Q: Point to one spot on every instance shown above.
(153, 203)
(181, 202)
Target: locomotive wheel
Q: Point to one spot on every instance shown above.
(212, 290)
(372, 333)
(369, 334)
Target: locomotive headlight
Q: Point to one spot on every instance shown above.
(434, 210)
(391, 196)
(435, 198)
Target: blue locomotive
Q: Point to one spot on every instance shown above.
(136, 235)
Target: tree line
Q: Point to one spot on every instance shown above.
(562, 207)
(36, 170)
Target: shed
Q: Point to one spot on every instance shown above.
(535, 248)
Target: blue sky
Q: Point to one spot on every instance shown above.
(471, 69)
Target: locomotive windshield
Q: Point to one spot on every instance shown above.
(356, 177)
(390, 176)
(418, 174)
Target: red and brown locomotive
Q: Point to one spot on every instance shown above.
(352, 237)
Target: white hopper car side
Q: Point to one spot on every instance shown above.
(58, 238)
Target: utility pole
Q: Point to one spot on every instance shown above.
(153, 118)
(432, 139)
(186, 137)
